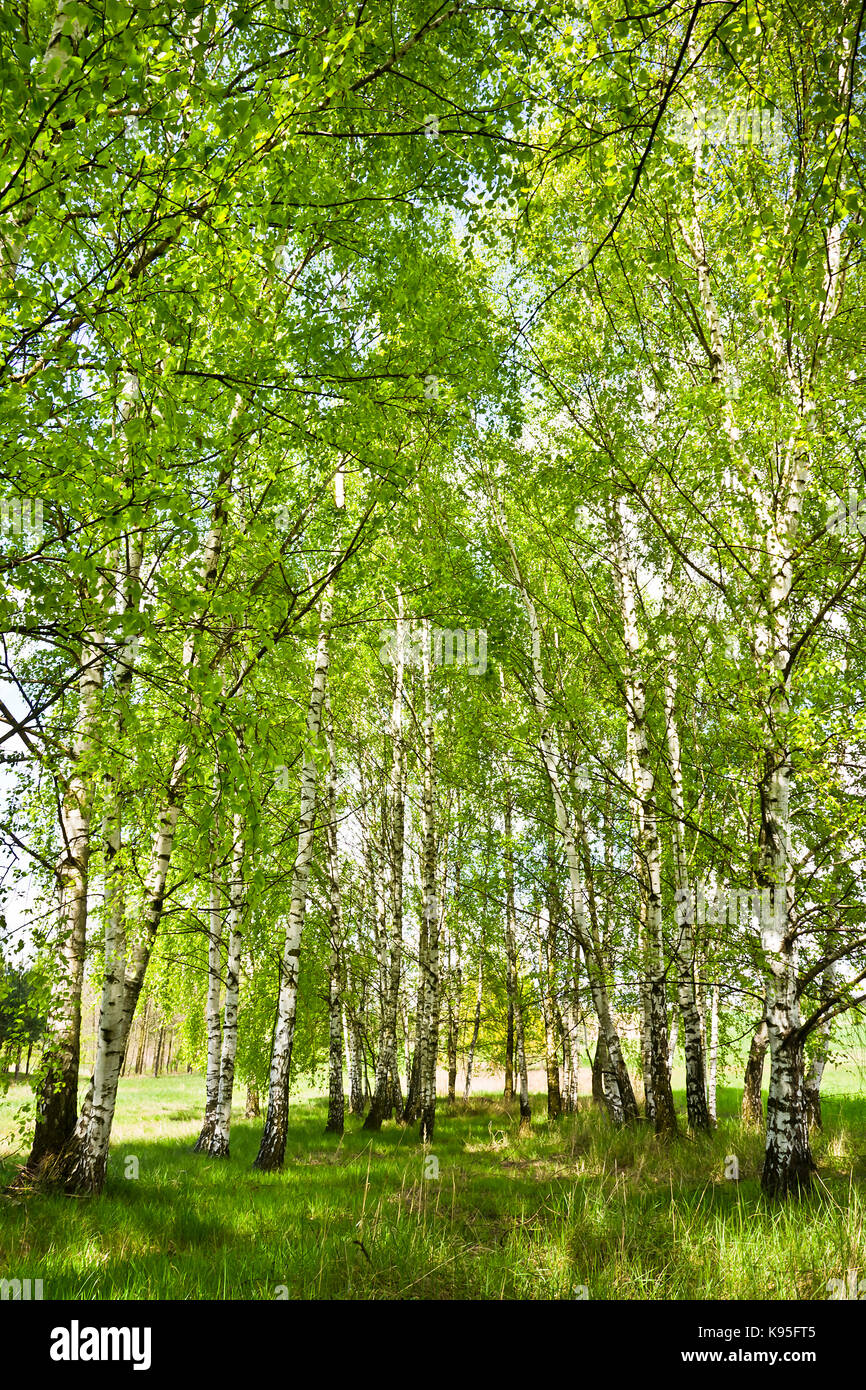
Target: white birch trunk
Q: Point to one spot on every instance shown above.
(212, 1004)
(336, 1103)
(430, 1045)
(511, 949)
(660, 1101)
(356, 1052)
(476, 1025)
(57, 1094)
(273, 1143)
(714, 1054)
(98, 1106)
(820, 1053)
(86, 1157)
(545, 928)
(672, 1044)
(699, 1116)
(218, 1146)
(386, 1062)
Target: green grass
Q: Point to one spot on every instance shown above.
(573, 1204)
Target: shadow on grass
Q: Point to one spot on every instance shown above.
(574, 1205)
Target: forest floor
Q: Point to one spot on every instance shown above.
(573, 1211)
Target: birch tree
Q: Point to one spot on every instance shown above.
(213, 1023)
(272, 1147)
(394, 830)
(218, 1143)
(659, 1097)
(335, 932)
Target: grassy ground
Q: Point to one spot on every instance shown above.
(574, 1207)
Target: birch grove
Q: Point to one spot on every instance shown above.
(436, 657)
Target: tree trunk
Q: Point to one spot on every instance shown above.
(476, 1023)
(142, 1038)
(525, 1125)
(660, 1101)
(820, 1056)
(646, 1038)
(673, 1040)
(546, 980)
(508, 1091)
(218, 1145)
(413, 1085)
(383, 1096)
(453, 1036)
(212, 1006)
(600, 1063)
(511, 947)
(699, 1117)
(57, 1093)
(336, 1103)
(411, 1060)
(430, 1031)
(374, 859)
(813, 1090)
(336, 1100)
(569, 1026)
(86, 1155)
(395, 1101)
(714, 1054)
(788, 1162)
(753, 1104)
(569, 1098)
(431, 1050)
(252, 1109)
(356, 1060)
(272, 1148)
